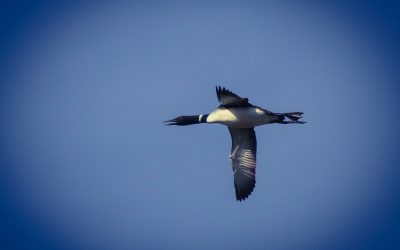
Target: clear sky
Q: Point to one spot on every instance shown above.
(86, 162)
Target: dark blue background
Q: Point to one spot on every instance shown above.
(85, 162)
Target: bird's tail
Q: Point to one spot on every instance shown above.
(293, 117)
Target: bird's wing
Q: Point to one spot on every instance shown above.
(229, 99)
(243, 156)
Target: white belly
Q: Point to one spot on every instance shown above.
(240, 117)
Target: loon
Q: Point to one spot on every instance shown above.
(241, 117)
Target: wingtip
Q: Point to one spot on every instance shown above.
(220, 88)
(243, 198)
(242, 195)
(218, 91)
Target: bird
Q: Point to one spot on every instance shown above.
(241, 117)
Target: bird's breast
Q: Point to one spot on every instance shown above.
(240, 117)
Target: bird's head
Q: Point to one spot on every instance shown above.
(183, 120)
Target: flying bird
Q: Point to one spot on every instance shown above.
(241, 117)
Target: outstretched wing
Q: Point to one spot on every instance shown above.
(229, 99)
(243, 156)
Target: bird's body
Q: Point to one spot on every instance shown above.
(241, 117)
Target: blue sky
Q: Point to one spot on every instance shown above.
(87, 163)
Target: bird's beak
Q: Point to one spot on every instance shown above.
(171, 122)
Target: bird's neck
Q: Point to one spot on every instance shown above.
(202, 118)
(194, 119)
(185, 120)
